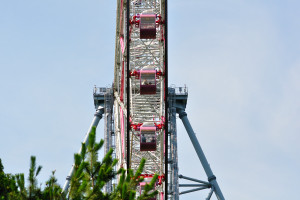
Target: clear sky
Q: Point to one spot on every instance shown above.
(240, 60)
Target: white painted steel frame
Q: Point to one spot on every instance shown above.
(146, 53)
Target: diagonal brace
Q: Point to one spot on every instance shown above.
(194, 185)
(211, 177)
(192, 179)
(95, 122)
(192, 190)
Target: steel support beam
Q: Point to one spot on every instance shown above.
(211, 177)
(192, 179)
(95, 122)
(210, 194)
(193, 185)
(192, 190)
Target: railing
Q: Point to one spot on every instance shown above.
(100, 90)
(180, 90)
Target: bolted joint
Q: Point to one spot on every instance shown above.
(211, 178)
(182, 114)
(98, 115)
(99, 112)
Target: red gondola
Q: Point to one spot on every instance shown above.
(148, 82)
(147, 138)
(147, 26)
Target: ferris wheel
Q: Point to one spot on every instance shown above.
(140, 110)
(140, 88)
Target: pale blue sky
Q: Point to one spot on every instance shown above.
(240, 60)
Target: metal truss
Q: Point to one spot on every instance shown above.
(109, 137)
(126, 108)
(144, 54)
(178, 97)
(173, 189)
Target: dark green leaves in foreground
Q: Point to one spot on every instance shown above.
(87, 183)
(12, 187)
(91, 175)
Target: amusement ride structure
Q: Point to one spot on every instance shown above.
(139, 110)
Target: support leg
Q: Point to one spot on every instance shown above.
(211, 177)
(95, 122)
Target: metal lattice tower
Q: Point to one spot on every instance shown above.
(136, 103)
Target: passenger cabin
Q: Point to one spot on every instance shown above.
(147, 138)
(142, 186)
(148, 82)
(147, 26)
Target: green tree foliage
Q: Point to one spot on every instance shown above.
(52, 190)
(87, 182)
(76, 186)
(7, 184)
(21, 186)
(90, 176)
(34, 191)
(12, 187)
(126, 188)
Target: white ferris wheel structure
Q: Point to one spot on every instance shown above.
(140, 109)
